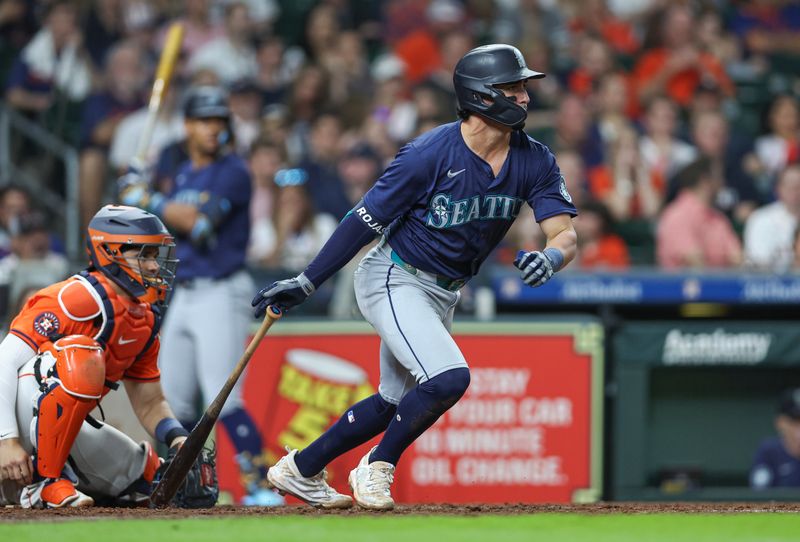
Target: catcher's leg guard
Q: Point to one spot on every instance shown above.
(72, 391)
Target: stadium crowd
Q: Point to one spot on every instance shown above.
(676, 123)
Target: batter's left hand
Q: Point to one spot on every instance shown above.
(536, 267)
(284, 294)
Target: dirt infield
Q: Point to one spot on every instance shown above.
(11, 514)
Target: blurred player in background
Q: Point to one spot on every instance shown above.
(441, 207)
(207, 208)
(777, 461)
(69, 346)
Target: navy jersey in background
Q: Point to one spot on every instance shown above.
(224, 254)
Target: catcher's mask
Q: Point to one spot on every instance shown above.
(118, 229)
(477, 74)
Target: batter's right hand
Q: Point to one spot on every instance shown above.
(284, 294)
(15, 463)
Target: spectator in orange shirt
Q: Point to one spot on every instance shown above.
(598, 247)
(691, 232)
(677, 65)
(595, 18)
(625, 185)
(594, 60)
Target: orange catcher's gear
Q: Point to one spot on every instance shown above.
(86, 304)
(72, 388)
(118, 228)
(80, 366)
(61, 494)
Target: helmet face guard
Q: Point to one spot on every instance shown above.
(480, 71)
(147, 274)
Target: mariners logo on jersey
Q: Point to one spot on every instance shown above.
(445, 213)
(46, 324)
(562, 187)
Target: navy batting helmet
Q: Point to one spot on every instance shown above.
(206, 102)
(478, 72)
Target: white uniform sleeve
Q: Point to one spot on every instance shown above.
(14, 353)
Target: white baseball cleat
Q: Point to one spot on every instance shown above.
(370, 483)
(286, 478)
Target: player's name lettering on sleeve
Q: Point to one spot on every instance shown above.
(371, 223)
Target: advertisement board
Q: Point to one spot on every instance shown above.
(527, 430)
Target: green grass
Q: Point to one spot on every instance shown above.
(764, 527)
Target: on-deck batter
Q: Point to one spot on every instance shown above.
(206, 328)
(441, 207)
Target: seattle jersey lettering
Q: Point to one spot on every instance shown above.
(444, 213)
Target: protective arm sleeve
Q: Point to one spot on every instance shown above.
(14, 353)
(354, 231)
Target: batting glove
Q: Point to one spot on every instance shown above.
(134, 190)
(214, 207)
(284, 294)
(537, 267)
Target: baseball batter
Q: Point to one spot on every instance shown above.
(69, 346)
(206, 328)
(440, 208)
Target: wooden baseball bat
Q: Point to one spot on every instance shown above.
(166, 67)
(188, 452)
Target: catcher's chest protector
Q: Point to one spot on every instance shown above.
(127, 328)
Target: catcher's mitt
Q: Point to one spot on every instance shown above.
(200, 488)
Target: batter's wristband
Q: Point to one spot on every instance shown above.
(202, 228)
(169, 429)
(555, 256)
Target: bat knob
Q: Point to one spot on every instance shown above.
(276, 312)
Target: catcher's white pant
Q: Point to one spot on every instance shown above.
(106, 460)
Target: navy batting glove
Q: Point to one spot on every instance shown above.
(214, 207)
(537, 267)
(283, 294)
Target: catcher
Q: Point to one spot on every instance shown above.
(69, 346)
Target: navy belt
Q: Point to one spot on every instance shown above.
(449, 284)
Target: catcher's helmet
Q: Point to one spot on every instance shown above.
(205, 102)
(478, 72)
(117, 228)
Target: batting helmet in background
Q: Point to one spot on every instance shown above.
(478, 72)
(205, 102)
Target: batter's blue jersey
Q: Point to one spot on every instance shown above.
(227, 178)
(446, 210)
